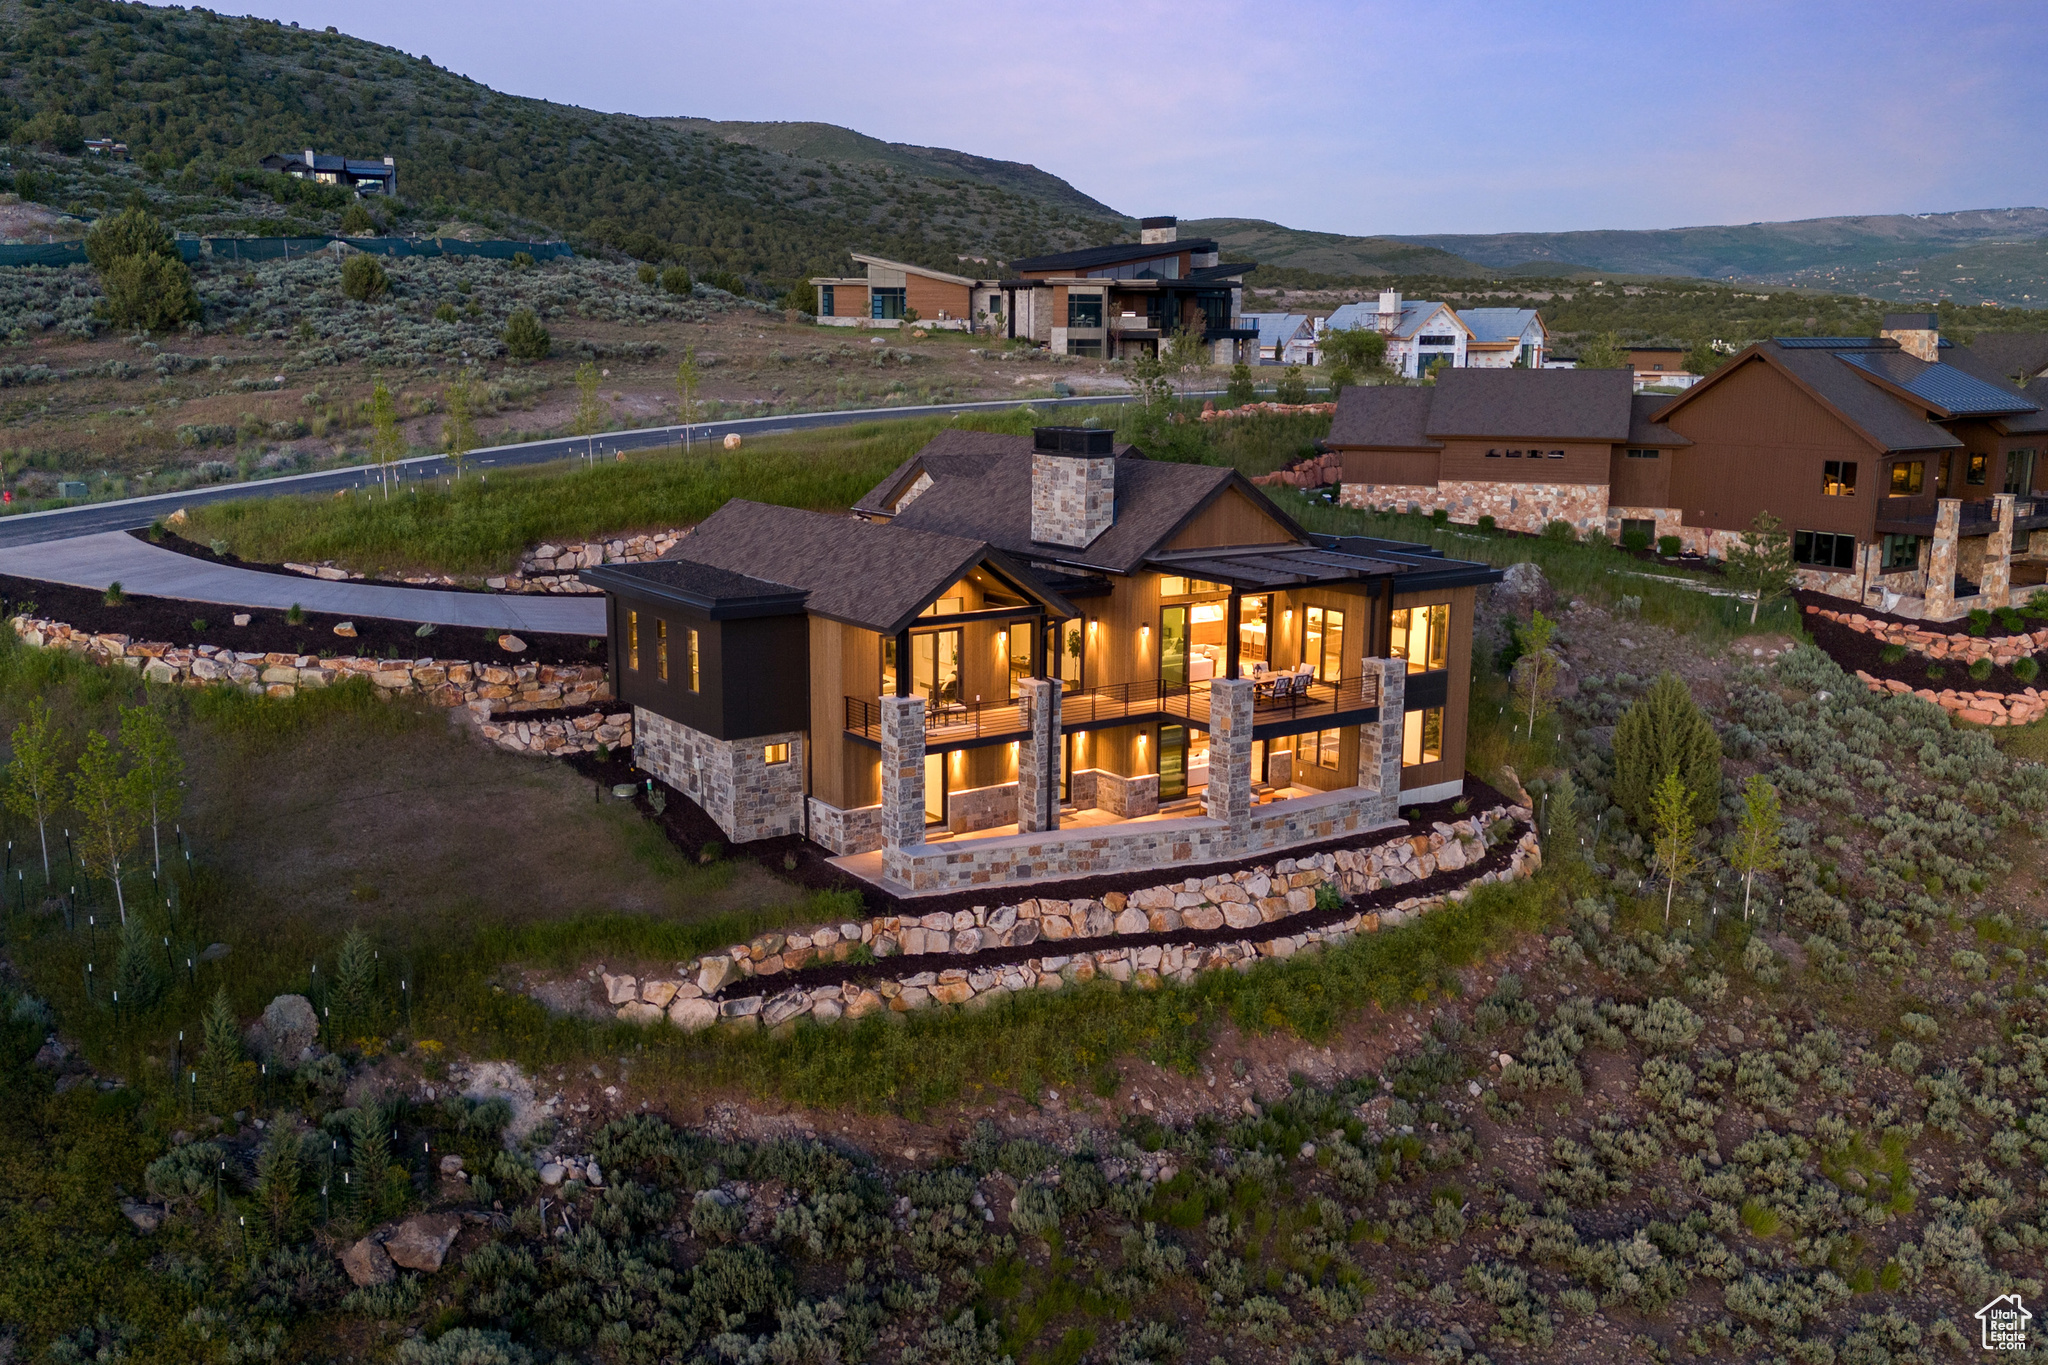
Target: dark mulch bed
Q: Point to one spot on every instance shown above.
(803, 862)
(1852, 649)
(171, 619)
(166, 539)
(1959, 630)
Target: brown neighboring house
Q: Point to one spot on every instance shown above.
(1908, 483)
(1029, 657)
(892, 291)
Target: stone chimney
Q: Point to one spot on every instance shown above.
(1073, 485)
(1155, 230)
(1390, 309)
(1918, 334)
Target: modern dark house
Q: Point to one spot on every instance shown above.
(1909, 483)
(362, 176)
(1040, 656)
(1124, 300)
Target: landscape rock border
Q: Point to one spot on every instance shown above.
(1173, 930)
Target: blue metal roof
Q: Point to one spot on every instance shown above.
(1497, 324)
(1277, 329)
(1366, 314)
(1943, 386)
(1836, 343)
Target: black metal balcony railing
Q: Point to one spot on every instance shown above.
(1974, 516)
(1274, 701)
(944, 722)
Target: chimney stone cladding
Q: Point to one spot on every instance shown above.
(1073, 498)
(1919, 342)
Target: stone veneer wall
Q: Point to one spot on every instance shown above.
(744, 794)
(1123, 796)
(1513, 506)
(1084, 933)
(981, 807)
(552, 568)
(495, 693)
(1073, 497)
(858, 830)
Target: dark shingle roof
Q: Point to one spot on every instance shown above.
(1642, 430)
(2029, 423)
(981, 488)
(1998, 356)
(1884, 419)
(1383, 415)
(719, 593)
(1089, 257)
(876, 576)
(1554, 405)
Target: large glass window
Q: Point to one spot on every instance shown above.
(1838, 478)
(1422, 737)
(1084, 310)
(1980, 468)
(1173, 647)
(633, 640)
(1208, 633)
(1908, 478)
(1088, 348)
(1254, 632)
(934, 666)
(1071, 658)
(825, 300)
(885, 303)
(1901, 552)
(1422, 636)
(1322, 643)
(661, 649)
(2019, 471)
(695, 677)
(1018, 641)
(1173, 762)
(1824, 549)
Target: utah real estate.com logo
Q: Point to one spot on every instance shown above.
(2005, 1321)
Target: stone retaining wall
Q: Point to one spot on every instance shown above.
(1082, 934)
(492, 692)
(552, 568)
(1513, 506)
(2002, 650)
(1979, 708)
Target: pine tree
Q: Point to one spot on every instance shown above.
(140, 972)
(1761, 565)
(32, 776)
(354, 981)
(375, 1184)
(157, 775)
(1664, 732)
(223, 1069)
(1756, 848)
(1242, 390)
(280, 1176)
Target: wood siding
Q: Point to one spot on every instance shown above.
(1759, 444)
(1363, 464)
(1640, 483)
(849, 301)
(1232, 519)
(1583, 462)
(931, 297)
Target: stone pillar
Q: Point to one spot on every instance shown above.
(1996, 584)
(1228, 797)
(902, 773)
(1379, 744)
(1038, 756)
(1941, 560)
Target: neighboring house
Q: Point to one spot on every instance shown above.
(2003, 357)
(364, 177)
(1284, 338)
(1907, 483)
(1121, 301)
(1663, 366)
(1043, 656)
(1505, 338)
(1419, 333)
(106, 146)
(889, 289)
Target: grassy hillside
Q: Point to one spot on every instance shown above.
(2014, 274)
(199, 97)
(1794, 252)
(1332, 253)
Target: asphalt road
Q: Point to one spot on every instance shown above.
(31, 528)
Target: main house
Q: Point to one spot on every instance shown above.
(1908, 484)
(1423, 333)
(1040, 656)
(362, 176)
(1124, 300)
(892, 291)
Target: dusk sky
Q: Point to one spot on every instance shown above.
(1357, 118)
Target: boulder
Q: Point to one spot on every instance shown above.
(693, 1014)
(553, 1173)
(451, 1166)
(1238, 915)
(1132, 921)
(714, 973)
(287, 1030)
(592, 1175)
(639, 1012)
(422, 1242)
(146, 1217)
(347, 631)
(367, 1264)
(952, 992)
(618, 990)
(511, 644)
(1206, 916)
(658, 993)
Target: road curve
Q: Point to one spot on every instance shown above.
(64, 523)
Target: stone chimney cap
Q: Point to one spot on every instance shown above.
(1912, 322)
(1168, 221)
